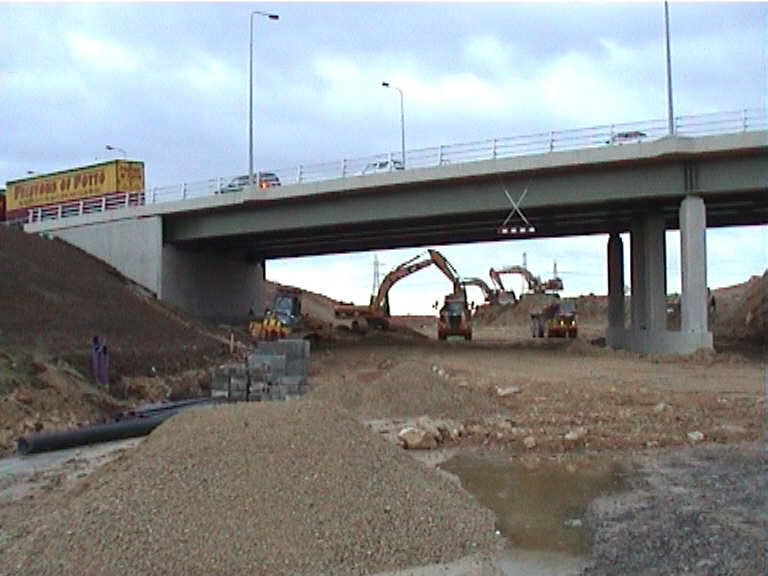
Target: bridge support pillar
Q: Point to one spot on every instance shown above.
(615, 281)
(648, 243)
(648, 329)
(693, 272)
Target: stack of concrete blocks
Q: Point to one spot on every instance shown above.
(238, 383)
(275, 371)
(265, 372)
(296, 353)
(220, 382)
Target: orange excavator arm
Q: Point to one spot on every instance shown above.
(487, 291)
(447, 269)
(403, 270)
(407, 268)
(535, 284)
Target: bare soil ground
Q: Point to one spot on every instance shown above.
(504, 394)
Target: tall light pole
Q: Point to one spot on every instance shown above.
(115, 149)
(671, 113)
(250, 95)
(402, 117)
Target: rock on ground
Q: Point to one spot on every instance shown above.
(295, 488)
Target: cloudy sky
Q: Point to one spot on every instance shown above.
(168, 83)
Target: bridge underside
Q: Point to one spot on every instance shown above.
(549, 222)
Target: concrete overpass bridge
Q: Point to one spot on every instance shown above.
(207, 254)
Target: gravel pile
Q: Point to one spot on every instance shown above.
(698, 511)
(293, 488)
(405, 388)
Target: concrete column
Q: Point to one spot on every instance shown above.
(615, 281)
(649, 274)
(638, 306)
(656, 270)
(693, 266)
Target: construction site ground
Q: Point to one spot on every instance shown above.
(685, 434)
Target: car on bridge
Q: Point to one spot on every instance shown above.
(382, 166)
(261, 179)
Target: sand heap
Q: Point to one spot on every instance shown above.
(295, 488)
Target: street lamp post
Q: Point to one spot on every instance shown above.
(671, 112)
(115, 149)
(250, 94)
(402, 117)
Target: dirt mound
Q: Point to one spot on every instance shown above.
(55, 297)
(400, 386)
(46, 395)
(741, 310)
(259, 489)
(516, 314)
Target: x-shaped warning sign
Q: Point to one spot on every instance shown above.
(505, 229)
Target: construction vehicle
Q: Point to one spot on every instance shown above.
(455, 317)
(286, 320)
(535, 284)
(557, 319)
(377, 313)
(493, 297)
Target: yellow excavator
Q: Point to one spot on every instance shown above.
(535, 284)
(552, 319)
(377, 313)
(283, 320)
(493, 296)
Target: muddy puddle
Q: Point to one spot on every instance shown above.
(539, 507)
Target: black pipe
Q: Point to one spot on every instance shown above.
(149, 409)
(130, 428)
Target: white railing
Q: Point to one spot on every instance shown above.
(113, 201)
(497, 148)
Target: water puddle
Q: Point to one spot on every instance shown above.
(539, 507)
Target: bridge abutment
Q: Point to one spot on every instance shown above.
(216, 287)
(648, 332)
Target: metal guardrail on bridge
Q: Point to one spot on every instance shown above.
(114, 201)
(497, 148)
